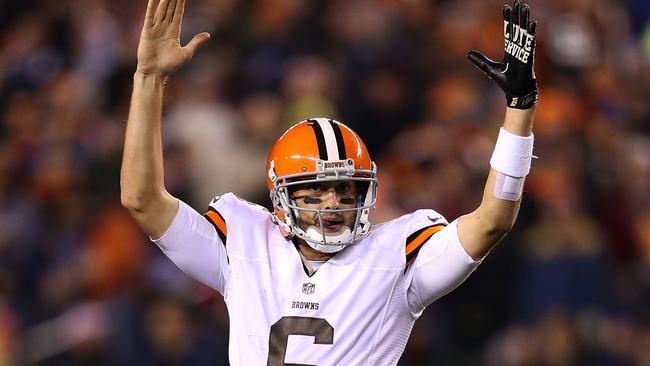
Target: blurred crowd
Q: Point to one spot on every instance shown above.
(80, 284)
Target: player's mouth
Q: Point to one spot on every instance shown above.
(332, 224)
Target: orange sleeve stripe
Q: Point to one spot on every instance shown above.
(420, 239)
(218, 221)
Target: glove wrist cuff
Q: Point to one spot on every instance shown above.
(524, 102)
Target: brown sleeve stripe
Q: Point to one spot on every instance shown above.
(415, 241)
(218, 222)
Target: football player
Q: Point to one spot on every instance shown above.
(315, 282)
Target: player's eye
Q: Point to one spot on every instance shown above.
(313, 200)
(344, 187)
(315, 187)
(310, 197)
(347, 201)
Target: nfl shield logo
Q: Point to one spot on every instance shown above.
(308, 288)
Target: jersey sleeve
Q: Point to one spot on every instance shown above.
(437, 263)
(196, 244)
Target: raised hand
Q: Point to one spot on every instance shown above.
(514, 74)
(160, 51)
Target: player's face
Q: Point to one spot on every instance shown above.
(330, 196)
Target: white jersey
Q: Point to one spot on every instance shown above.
(358, 308)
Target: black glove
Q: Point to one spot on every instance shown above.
(515, 74)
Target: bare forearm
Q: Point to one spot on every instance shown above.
(485, 226)
(480, 230)
(519, 121)
(142, 165)
(159, 55)
(502, 213)
(142, 179)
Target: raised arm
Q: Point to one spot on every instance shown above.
(159, 54)
(480, 230)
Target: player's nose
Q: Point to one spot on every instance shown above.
(330, 199)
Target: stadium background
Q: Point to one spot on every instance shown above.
(81, 285)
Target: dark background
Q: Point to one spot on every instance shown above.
(81, 285)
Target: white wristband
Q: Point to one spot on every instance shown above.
(512, 154)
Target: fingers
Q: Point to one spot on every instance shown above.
(477, 59)
(480, 61)
(171, 10)
(516, 13)
(525, 9)
(196, 42)
(167, 11)
(161, 11)
(151, 10)
(507, 10)
(519, 15)
(532, 27)
(179, 10)
(493, 70)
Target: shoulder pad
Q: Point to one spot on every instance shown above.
(228, 208)
(422, 225)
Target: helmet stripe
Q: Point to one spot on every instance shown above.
(320, 138)
(339, 139)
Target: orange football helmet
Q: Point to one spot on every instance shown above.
(317, 150)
